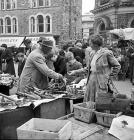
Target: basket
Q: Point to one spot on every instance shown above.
(84, 111)
(105, 119)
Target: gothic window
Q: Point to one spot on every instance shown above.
(41, 2)
(2, 5)
(132, 24)
(8, 25)
(14, 4)
(34, 3)
(102, 27)
(40, 24)
(48, 24)
(32, 24)
(14, 25)
(8, 4)
(47, 3)
(1, 26)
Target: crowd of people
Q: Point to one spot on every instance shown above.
(41, 62)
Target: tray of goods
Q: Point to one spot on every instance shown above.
(6, 79)
(57, 86)
(74, 92)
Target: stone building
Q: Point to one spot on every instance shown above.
(87, 24)
(113, 14)
(60, 19)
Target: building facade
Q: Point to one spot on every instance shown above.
(58, 18)
(87, 24)
(113, 14)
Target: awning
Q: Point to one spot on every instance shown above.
(17, 41)
(126, 34)
(11, 41)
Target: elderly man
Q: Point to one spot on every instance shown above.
(36, 72)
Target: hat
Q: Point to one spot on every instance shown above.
(20, 52)
(4, 45)
(45, 42)
(69, 56)
(27, 41)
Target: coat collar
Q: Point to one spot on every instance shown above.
(102, 51)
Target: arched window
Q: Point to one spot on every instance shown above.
(34, 3)
(2, 5)
(41, 2)
(14, 26)
(32, 24)
(40, 23)
(14, 4)
(132, 24)
(47, 3)
(102, 27)
(1, 26)
(8, 25)
(8, 4)
(48, 24)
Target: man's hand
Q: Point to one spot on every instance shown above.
(71, 73)
(62, 79)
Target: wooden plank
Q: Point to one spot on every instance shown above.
(90, 132)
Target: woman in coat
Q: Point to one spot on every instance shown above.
(103, 65)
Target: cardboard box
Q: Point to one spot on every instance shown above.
(37, 128)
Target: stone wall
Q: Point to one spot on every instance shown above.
(66, 19)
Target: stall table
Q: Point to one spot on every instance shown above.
(72, 100)
(11, 119)
(51, 110)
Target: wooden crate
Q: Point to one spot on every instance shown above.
(45, 129)
(105, 119)
(84, 111)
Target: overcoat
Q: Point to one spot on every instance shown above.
(36, 72)
(97, 82)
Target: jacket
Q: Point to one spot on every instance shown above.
(36, 72)
(106, 66)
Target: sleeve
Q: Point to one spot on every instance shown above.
(43, 68)
(113, 63)
(81, 71)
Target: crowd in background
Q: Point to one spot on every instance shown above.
(70, 56)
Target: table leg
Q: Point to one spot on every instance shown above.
(71, 105)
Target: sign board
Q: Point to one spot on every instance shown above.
(17, 41)
(11, 41)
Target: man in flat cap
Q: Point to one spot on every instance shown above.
(36, 73)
